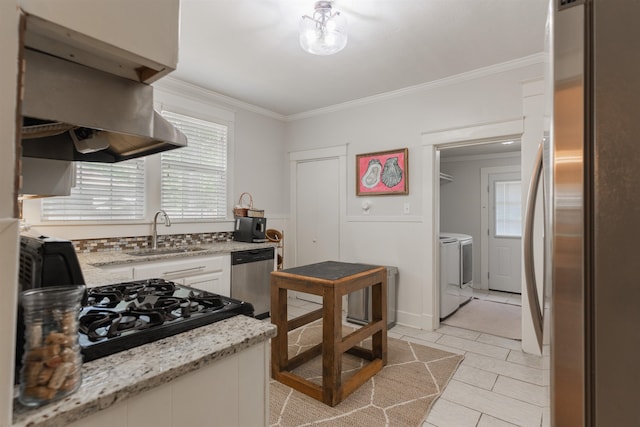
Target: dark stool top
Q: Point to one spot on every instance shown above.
(330, 270)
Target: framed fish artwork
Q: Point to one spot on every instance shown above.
(384, 172)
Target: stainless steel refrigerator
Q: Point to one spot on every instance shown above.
(593, 222)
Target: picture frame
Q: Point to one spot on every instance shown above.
(382, 173)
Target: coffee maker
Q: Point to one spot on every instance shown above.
(250, 229)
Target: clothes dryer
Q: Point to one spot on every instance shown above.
(449, 276)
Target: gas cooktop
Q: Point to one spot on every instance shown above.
(125, 315)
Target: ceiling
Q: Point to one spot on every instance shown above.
(249, 50)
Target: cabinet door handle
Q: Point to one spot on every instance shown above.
(184, 270)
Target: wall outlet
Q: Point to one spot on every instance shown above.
(407, 207)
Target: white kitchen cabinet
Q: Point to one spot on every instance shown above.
(233, 391)
(212, 282)
(134, 39)
(209, 273)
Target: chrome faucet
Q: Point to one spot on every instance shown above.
(154, 236)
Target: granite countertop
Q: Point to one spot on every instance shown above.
(122, 375)
(96, 265)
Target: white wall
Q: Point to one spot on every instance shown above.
(8, 80)
(460, 200)
(386, 235)
(8, 224)
(260, 165)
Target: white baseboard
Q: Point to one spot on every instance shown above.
(412, 320)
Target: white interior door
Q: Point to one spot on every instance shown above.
(505, 232)
(317, 213)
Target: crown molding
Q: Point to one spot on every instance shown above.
(199, 93)
(190, 90)
(526, 61)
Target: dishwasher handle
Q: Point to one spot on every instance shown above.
(252, 255)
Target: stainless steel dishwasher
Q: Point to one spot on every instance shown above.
(251, 278)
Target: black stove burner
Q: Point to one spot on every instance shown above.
(111, 295)
(209, 301)
(101, 324)
(125, 315)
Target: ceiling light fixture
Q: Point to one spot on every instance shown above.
(324, 33)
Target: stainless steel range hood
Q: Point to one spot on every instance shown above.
(74, 112)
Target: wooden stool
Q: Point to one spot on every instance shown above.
(331, 280)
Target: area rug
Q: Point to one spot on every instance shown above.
(401, 394)
(488, 317)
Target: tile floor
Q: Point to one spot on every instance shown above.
(496, 296)
(495, 385)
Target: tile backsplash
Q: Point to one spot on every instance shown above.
(140, 242)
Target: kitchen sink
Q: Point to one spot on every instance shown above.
(164, 251)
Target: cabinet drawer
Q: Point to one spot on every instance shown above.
(170, 271)
(212, 282)
(209, 273)
(176, 269)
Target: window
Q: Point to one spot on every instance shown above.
(194, 179)
(508, 212)
(103, 191)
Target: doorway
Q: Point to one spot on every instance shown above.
(502, 219)
(477, 197)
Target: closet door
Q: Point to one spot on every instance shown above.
(317, 212)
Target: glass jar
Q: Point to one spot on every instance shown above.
(52, 363)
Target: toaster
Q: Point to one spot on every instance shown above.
(47, 261)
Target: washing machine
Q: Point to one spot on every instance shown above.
(449, 276)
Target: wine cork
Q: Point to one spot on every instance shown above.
(43, 353)
(59, 338)
(54, 362)
(59, 375)
(31, 373)
(45, 374)
(68, 354)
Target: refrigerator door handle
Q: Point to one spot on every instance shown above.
(529, 267)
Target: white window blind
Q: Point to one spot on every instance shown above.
(194, 179)
(103, 191)
(508, 209)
